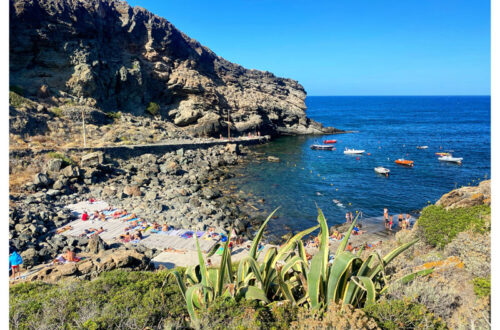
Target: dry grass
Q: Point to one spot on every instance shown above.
(20, 177)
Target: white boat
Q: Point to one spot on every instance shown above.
(353, 151)
(422, 147)
(382, 170)
(451, 159)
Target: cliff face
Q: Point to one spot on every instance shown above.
(107, 54)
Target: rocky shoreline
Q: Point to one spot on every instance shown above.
(181, 188)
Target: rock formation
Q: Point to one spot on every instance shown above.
(108, 55)
(467, 196)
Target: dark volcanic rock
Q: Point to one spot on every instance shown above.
(108, 55)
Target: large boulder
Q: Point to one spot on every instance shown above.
(54, 165)
(30, 258)
(467, 196)
(92, 159)
(41, 179)
(71, 171)
(132, 191)
(96, 245)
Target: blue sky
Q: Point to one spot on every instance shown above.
(348, 47)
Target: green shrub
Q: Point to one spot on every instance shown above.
(438, 226)
(66, 160)
(114, 115)
(482, 286)
(17, 100)
(56, 111)
(403, 314)
(117, 299)
(153, 109)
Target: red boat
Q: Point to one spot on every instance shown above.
(329, 141)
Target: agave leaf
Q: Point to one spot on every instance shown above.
(190, 275)
(254, 267)
(201, 263)
(193, 299)
(366, 284)
(389, 257)
(292, 262)
(408, 278)
(253, 293)
(292, 242)
(180, 282)
(365, 267)
(343, 242)
(314, 281)
(324, 243)
(258, 237)
(285, 288)
(360, 251)
(212, 278)
(213, 250)
(350, 294)
(340, 266)
(223, 267)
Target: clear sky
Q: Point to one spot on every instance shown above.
(347, 47)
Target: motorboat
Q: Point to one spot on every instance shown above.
(451, 159)
(404, 162)
(329, 141)
(348, 151)
(422, 147)
(382, 170)
(443, 154)
(321, 147)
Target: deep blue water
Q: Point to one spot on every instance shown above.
(389, 128)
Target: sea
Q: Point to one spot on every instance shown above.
(387, 128)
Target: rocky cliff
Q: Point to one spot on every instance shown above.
(109, 55)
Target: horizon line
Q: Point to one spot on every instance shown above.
(400, 95)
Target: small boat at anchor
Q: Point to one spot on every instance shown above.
(348, 151)
(329, 141)
(382, 170)
(404, 162)
(321, 147)
(443, 154)
(422, 147)
(451, 159)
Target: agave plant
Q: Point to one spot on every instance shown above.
(349, 279)
(286, 275)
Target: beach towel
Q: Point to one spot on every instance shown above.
(174, 232)
(187, 234)
(200, 233)
(132, 219)
(220, 251)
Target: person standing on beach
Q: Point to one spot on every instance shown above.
(408, 220)
(347, 218)
(390, 223)
(15, 261)
(400, 220)
(351, 217)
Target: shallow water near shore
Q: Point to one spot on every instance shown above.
(388, 128)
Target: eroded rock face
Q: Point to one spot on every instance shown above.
(467, 196)
(108, 55)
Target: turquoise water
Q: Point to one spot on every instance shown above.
(388, 128)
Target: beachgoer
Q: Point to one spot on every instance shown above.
(91, 200)
(70, 256)
(351, 217)
(349, 247)
(100, 231)
(165, 227)
(15, 262)
(347, 217)
(102, 216)
(209, 263)
(408, 217)
(390, 223)
(85, 216)
(400, 220)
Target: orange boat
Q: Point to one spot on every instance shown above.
(329, 141)
(404, 162)
(443, 154)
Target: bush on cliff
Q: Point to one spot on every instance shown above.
(438, 226)
(117, 299)
(403, 314)
(153, 109)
